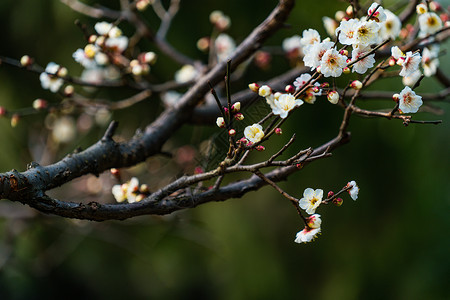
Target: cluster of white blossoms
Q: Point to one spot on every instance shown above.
(130, 191)
(310, 202)
(51, 79)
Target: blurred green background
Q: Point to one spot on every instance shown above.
(392, 243)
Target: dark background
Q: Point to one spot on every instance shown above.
(392, 243)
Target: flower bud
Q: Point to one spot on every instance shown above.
(392, 62)
(349, 10)
(254, 87)
(199, 170)
(314, 221)
(344, 52)
(150, 58)
(289, 89)
(92, 38)
(278, 131)
(338, 201)
(140, 197)
(26, 61)
(115, 172)
(69, 90)
(62, 72)
(243, 141)
(277, 95)
(144, 189)
(396, 97)
(260, 148)
(137, 70)
(435, 6)
(15, 120)
(39, 104)
(220, 122)
(356, 84)
(239, 117)
(325, 85)
(330, 194)
(90, 50)
(339, 15)
(236, 107)
(225, 109)
(232, 132)
(318, 69)
(316, 89)
(142, 5)
(2, 111)
(346, 70)
(203, 44)
(265, 91)
(333, 97)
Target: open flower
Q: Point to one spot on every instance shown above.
(332, 63)
(314, 221)
(429, 23)
(284, 104)
(225, 46)
(309, 38)
(411, 63)
(409, 102)
(367, 33)
(311, 200)
(306, 235)
(347, 31)
(379, 15)
(315, 53)
(49, 79)
(354, 190)
(362, 65)
(430, 61)
(391, 27)
(292, 45)
(186, 74)
(254, 133)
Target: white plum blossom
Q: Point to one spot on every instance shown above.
(332, 63)
(362, 65)
(309, 37)
(49, 79)
(270, 99)
(170, 98)
(284, 104)
(254, 133)
(128, 191)
(354, 190)
(306, 235)
(429, 23)
(430, 61)
(311, 200)
(367, 33)
(411, 63)
(391, 27)
(314, 54)
(379, 15)
(186, 74)
(292, 44)
(347, 31)
(412, 79)
(409, 102)
(220, 122)
(302, 80)
(225, 46)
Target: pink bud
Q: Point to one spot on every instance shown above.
(232, 132)
(2, 111)
(254, 87)
(330, 194)
(239, 117)
(243, 141)
(289, 89)
(396, 97)
(346, 70)
(260, 148)
(356, 84)
(343, 52)
(114, 171)
(236, 107)
(39, 104)
(338, 201)
(199, 170)
(435, 6)
(278, 131)
(392, 62)
(325, 85)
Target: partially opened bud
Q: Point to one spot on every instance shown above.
(39, 104)
(236, 107)
(356, 84)
(232, 132)
(25, 61)
(220, 122)
(338, 201)
(392, 62)
(239, 117)
(260, 148)
(333, 97)
(254, 87)
(330, 194)
(289, 89)
(346, 70)
(265, 91)
(314, 221)
(396, 97)
(278, 131)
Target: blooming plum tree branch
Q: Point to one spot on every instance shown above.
(367, 40)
